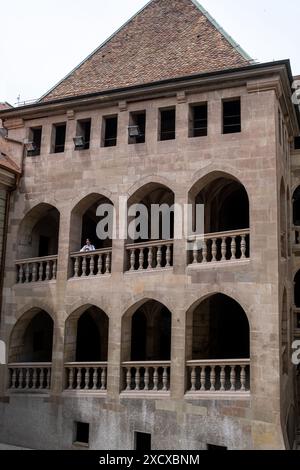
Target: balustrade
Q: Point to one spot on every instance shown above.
(36, 269)
(29, 376)
(150, 255)
(86, 376)
(91, 263)
(146, 376)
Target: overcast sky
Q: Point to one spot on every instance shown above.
(42, 40)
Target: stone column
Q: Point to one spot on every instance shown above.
(57, 374)
(114, 358)
(178, 355)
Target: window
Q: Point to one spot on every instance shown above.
(110, 131)
(231, 116)
(142, 442)
(167, 124)
(198, 120)
(213, 447)
(137, 127)
(59, 138)
(83, 135)
(35, 137)
(297, 143)
(82, 433)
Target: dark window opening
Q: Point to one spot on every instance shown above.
(198, 120)
(59, 138)
(231, 116)
(142, 441)
(298, 320)
(44, 244)
(137, 128)
(297, 143)
(213, 447)
(167, 124)
(83, 135)
(110, 131)
(38, 341)
(35, 137)
(82, 433)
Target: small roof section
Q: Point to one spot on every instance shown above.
(8, 164)
(166, 39)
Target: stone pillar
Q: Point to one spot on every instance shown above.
(114, 358)
(178, 359)
(57, 375)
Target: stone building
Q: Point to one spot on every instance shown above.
(154, 344)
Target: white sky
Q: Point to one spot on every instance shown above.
(42, 40)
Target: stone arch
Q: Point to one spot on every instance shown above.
(38, 232)
(31, 339)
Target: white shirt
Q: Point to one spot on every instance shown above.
(88, 248)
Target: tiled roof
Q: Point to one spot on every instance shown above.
(165, 40)
(8, 164)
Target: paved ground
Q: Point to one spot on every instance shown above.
(8, 447)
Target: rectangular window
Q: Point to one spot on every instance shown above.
(167, 124)
(142, 441)
(82, 433)
(110, 131)
(198, 120)
(213, 447)
(297, 143)
(59, 138)
(231, 116)
(83, 135)
(137, 127)
(35, 138)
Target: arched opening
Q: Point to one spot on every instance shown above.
(218, 345)
(296, 207)
(146, 347)
(38, 233)
(283, 237)
(284, 333)
(86, 349)
(297, 298)
(288, 211)
(38, 238)
(91, 233)
(225, 205)
(151, 224)
(30, 352)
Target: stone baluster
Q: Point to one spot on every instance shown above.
(13, 378)
(155, 379)
(84, 266)
(86, 378)
(34, 378)
(158, 257)
(195, 252)
(21, 273)
(243, 378)
(146, 378)
(150, 257)
(76, 266)
(95, 378)
(47, 270)
(128, 378)
(223, 249)
(103, 378)
(202, 379)
(27, 272)
(48, 378)
(27, 378)
(141, 259)
(41, 271)
(243, 247)
(54, 269)
(212, 379)
(193, 379)
(41, 378)
(92, 265)
(165, 379)
(137, 378)
(99, 265)
(34, 272)
(233, 248)
(168, 256)
(222, 379)
(78, 379)
(132, 259)
(107, 264)
(71, 378)
(214, 250)
(204, 252)
(232, 378)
